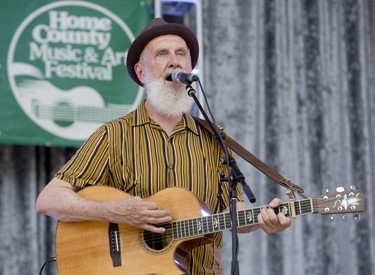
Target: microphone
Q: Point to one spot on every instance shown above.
(181, 77)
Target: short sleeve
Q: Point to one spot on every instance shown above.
(89, 165)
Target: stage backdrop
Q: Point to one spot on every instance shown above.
(292, 81)
(63, 68)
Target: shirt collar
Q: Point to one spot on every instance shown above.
(190, 123)
(141, 117)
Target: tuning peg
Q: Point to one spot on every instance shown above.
(327, 190)
(331, 218)
(343, 217)
(340, 189)
(357, 216)
(353, 187)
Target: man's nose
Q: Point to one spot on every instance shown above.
(174, 62)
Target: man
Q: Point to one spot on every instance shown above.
(159, 145)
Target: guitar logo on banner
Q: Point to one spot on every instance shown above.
(67, 71)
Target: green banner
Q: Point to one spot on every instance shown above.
(62, 68)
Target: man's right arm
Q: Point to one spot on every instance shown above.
(60, 200)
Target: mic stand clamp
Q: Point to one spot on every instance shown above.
(234, 177)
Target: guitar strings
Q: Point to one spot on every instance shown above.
(304, 207)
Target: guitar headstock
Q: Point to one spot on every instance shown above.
(341, 202)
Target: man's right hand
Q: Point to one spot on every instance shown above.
(137, 213)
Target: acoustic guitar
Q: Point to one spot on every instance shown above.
(94, 247)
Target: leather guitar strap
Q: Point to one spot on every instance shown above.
(253, 160)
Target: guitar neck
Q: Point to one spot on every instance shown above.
(222, 221)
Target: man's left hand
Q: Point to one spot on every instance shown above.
(269, 221)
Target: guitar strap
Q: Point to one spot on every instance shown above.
(253, 160)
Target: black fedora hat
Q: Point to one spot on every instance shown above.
(155, 28)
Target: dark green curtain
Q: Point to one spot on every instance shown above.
(293, 82)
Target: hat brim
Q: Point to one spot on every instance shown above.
(146, 36)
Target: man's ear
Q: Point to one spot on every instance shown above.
(139, 71)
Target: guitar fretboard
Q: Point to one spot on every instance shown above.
(220, 222)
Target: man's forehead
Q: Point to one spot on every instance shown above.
(166, 41)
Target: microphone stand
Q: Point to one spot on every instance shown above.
(234, 177)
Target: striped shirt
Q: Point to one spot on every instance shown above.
(134, 154)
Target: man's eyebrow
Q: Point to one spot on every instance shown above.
(182, 49)
(167, 49)
(163, 49)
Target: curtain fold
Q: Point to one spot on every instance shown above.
(293, 82)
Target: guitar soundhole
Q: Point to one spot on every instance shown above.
(158, 242)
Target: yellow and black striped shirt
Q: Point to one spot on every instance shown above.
(134, 154)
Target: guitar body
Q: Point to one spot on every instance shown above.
(84, 247)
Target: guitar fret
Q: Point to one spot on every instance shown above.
(205, 222)
(177, 231)
(299, 208)
(182, 228)
(296, 207)
(174, 230)
(205, 225)
(255, 218)
(241, 218)
(255, 215)
(221, 222)
(210, 225)
(195, 229)
(252, 212)
(228, 221)
(248, 217)
(191, 228)
(186, 228)
(306, 206)
(199, 225)
(215, 223)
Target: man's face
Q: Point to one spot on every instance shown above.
(161, 56)
(159, 59)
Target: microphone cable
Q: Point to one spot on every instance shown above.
(206, 101)
(50, 259)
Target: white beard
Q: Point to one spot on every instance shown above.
(166, 100)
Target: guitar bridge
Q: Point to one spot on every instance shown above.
(114, 244)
